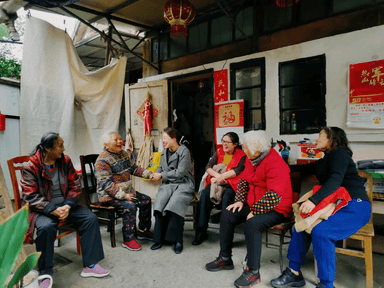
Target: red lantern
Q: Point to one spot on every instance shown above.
(285, 3)
(179, 13)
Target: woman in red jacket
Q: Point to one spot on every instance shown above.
(263, 199)
(235, 160)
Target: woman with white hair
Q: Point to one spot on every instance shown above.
(263, 199)
(114, 168)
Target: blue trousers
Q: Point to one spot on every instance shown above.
(344, 223)
(86, 224)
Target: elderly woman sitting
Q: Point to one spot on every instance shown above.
(114, 167)
(263, 199)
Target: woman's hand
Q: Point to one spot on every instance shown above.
(155, 176)
(307, 207)
(213, 180)
(237, 205)
(220, 178)
(61, 212)
(250, 215)
(131, 197)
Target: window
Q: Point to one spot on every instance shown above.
(163, 48)
(311, 10)
(244, 20)
(248, 83)
(198, 37)
(302, 95)
(221, 31)
(276, 18)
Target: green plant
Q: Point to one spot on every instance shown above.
(9, 68)
(12, 233)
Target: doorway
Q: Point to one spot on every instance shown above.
(192, 113)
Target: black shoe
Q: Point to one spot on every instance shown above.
(288, 279)
(156, 246)
(200, 237)
(178, 247)
(320, 285)
(220, 264)
(247, 279)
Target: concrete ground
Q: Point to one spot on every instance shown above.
(163, 268)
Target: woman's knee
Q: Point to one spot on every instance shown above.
(47, 227)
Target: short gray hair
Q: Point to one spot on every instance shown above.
(106, 137)
(256, 141)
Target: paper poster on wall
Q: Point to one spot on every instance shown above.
(221, 85)
(366, 95)
(229, 117)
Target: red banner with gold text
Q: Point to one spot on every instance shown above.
(221, 85)
(366, 95)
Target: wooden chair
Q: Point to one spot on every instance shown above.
(282, 228)
(90, 190)
(194, 201)
(365, 235)
(17, 164)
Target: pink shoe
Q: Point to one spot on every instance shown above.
(96, 271)
(46, 283)
(132, 245)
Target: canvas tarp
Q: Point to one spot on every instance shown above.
(59, 94)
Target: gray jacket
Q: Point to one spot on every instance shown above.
(178, 186)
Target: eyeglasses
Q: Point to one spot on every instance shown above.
(226, 142)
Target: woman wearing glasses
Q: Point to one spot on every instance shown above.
(235, 160)
(335, 172)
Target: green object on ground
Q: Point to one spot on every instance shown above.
(12, 234)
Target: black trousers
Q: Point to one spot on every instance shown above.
(168, 228)
(254, 228)
(205, 205)
(86, 224)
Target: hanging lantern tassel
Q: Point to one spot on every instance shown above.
(2, 122)
(285, 3)
(179, 14)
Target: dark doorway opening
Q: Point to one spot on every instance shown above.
(192, 113)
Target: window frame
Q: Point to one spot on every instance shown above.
(323, 92)
(260, 62)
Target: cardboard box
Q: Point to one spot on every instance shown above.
(308, 151)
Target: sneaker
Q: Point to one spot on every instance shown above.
(220, 264)
(132, 245)
(247, 279)
(144, 235)
(288, 279)
(46, 283)
(320, 285)
(96, 271)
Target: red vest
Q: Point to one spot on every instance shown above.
(237, 155)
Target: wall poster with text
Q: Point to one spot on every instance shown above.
(366, 95)
(229, 117)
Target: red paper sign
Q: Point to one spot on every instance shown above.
(229, 117)
(2, 122)
(366, 82)
(221, 85)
